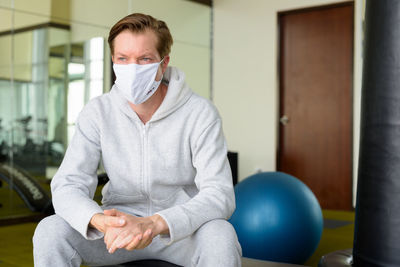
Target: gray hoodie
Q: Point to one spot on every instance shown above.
(175, 165)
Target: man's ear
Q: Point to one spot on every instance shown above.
(165, 63)
(112, 58)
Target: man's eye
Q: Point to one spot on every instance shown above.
(121, 59)
(145, 60)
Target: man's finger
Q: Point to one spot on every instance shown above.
(113, 246)
(114, 221)
(146, 240)
(134, 243)
(109, 238)
(125, 241)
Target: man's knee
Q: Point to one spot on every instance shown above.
(53, 243)
(49, 230)
(219, 237)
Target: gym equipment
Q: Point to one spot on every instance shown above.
(3, 144)
(246, 262)
(102, 178)
(277, 218)
(31, 150)
(377, 218)
(34, 196)
(233, 162)
(145, 263)
(337, 258)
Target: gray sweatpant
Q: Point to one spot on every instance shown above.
(56, 243)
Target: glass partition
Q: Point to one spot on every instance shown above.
(32, 91)
(43, 87)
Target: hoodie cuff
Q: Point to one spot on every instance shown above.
(86, 230)
(177, 225)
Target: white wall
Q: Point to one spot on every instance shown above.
(245, 76)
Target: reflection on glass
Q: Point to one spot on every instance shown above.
(41, 93)
(75, 69)
(76, 97)
(25, 101)
(86, 78)
(94, 60)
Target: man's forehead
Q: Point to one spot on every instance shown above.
(141, 43)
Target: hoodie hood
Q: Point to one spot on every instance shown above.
(177, 94)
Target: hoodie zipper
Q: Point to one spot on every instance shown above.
(145, 164)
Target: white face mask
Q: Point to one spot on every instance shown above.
(137, 82)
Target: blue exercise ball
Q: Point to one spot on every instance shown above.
(277, 218)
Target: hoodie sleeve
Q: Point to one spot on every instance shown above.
(75, 182)
(215, 199)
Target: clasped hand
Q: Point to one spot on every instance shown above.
(126, 231)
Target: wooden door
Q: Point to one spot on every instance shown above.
(315, 137)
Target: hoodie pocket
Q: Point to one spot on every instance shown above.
(177, 197)
(113, 199)
(132, 204)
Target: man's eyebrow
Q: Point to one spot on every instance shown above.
(147, 55)
(121, 54)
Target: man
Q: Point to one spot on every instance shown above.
(170, 190)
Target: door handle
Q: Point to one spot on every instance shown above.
(284, 120)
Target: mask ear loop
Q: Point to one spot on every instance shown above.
(162, 78)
